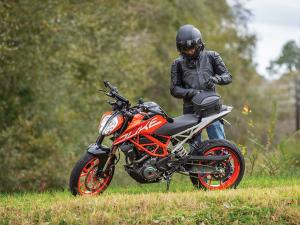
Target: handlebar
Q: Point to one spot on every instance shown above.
(114, 92)
(108, 85)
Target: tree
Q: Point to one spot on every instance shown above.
(288, 58)
(55, 54)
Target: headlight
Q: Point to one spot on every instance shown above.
(103, 122)
(110, 124)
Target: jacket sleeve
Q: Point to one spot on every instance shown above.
(176, 87)
(220, 69)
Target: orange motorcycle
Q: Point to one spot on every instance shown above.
(153, 145)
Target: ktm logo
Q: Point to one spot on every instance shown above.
(152, 123)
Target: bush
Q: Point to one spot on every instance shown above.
(32, 160)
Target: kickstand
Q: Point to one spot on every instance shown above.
(168, 180)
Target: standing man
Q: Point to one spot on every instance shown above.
(194, 70)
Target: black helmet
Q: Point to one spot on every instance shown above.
(189, 37)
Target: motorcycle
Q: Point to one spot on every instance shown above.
(153, 145)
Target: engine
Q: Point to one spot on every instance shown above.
(140, 167)
(146, 172)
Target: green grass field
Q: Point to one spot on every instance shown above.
(256, 201)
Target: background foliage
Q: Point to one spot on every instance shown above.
(54, 55)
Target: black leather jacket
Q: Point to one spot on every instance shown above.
(190, 76)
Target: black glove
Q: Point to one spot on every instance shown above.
(192, 93)
(212, 81)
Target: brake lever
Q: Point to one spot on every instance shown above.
(109, 94)
(111, 103)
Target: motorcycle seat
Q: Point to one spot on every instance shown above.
(179, 124)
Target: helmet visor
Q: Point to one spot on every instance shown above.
(189, 44)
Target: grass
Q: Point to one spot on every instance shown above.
(181, 184)
(256, 201)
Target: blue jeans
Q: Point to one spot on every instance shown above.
(214, 131)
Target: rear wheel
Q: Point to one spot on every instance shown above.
(231, 170)
(84, 179)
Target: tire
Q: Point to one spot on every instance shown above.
(83, 180)
(234, 167)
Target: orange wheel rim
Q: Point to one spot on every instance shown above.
(88, 182)
(227, 179)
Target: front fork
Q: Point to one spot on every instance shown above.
(99, 140)
(103, 153)
(110, 160)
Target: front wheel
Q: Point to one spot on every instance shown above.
(231, 170)
(84, 179)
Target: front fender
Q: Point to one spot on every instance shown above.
(98, 150)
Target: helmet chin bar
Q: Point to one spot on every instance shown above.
(200, 47)
(193, 56)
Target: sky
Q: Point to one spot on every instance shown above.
(275, 22)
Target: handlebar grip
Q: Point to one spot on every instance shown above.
(107, 84)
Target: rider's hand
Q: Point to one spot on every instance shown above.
(192, 93)
(212, 81)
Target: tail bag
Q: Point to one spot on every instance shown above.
(206, 103)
